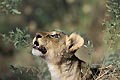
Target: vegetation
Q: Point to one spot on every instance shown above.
(113, 24)
(10, 6)
(20, 38)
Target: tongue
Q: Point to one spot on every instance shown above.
(41, 48)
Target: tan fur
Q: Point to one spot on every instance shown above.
(60, 58)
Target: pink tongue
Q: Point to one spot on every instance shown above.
(41, 48)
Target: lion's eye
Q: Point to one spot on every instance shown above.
(55, 36)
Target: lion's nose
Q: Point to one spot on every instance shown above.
(38, 36)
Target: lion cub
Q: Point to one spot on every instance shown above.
(58, 49)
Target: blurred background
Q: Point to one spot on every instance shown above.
(97, 21)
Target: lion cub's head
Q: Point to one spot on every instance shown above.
(56, 46)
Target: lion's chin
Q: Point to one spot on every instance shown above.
(37, 52)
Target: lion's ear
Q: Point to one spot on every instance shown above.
(74, 42)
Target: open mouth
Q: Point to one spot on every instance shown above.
(41, 49)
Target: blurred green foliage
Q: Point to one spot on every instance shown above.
(113, 7)
(10, 6)
(30, 73)
(20, 37)
(112, 59)
(112, 34)
(113, 24)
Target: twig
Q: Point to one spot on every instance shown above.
(102, 75)
(85, 74)
(109, 66)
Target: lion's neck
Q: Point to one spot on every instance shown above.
(69, 70)
(55, 71)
